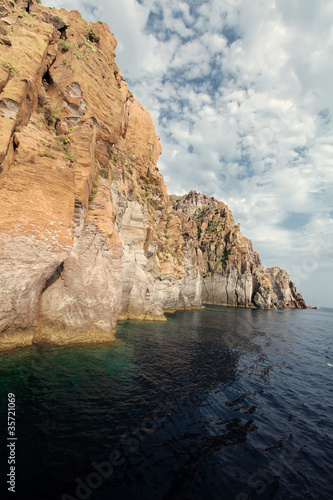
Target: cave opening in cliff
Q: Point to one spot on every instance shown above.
(62, 31)
(55, 276)
(47, 80)
(15, 144)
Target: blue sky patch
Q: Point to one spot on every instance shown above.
(324, 114)
(231, 34)
(295, 221)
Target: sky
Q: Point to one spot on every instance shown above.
(241, 96)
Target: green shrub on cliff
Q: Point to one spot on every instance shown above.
(11, 68)
(212, 229)
(94, 190)
(64, 139)
(104, 173)
(92, 35)
(66, 63)
(225, 257)
(52, 115)
(64, 46)
(115, 159)
(47, 154)
(68, 155)
(88, 44)
(128, 166)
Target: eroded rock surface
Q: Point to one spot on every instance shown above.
(233, 274)
(87, 232)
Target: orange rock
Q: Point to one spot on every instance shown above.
(81, 195)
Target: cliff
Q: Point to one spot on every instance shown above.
(233, 274)
(87, 233)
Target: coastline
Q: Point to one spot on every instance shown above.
(50, 335)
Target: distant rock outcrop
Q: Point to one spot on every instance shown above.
(233, 274)
(87, 234)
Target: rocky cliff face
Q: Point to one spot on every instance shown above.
(85, 230)
(87, 233)
(233, 274)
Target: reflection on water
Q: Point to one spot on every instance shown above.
(219, 403)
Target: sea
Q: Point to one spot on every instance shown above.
(219, 403)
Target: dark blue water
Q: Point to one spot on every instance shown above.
(222, 403)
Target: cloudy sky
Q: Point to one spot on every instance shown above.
(241, 95)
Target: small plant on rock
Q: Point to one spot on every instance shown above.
(94, 190)
(11, 68)
(88, 44)
(92, 35)
(47, 154)
(64, 46)
(64, 139)
(128, 166)
(68, 155)
(104, 173)
(52, 115)
(115, 159)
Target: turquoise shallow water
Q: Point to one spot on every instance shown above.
(221, 403)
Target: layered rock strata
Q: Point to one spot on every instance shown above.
(233, 274)
(87, 233)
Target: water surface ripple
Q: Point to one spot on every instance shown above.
(222, 403)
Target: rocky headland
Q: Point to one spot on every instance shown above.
(232, 270)
(88, 232)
